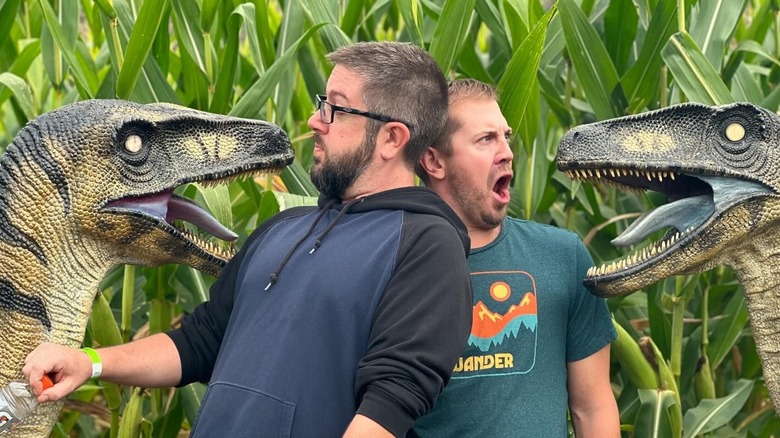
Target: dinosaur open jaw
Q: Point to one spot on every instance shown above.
(694, 202)
(166, 210)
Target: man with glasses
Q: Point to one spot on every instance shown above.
(344, 319)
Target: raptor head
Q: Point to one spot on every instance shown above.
(112, 167)
(719, 168)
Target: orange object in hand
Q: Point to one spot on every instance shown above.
(47, 382)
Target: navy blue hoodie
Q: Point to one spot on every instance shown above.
(329, 311)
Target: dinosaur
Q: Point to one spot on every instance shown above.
(90, 186)
(719, 167)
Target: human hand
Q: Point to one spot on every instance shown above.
(68, 367)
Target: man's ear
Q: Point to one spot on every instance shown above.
(392, 139)
(433, 164)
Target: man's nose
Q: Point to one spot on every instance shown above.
(505, 152)
(316, 124)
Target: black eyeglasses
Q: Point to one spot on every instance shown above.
(327, 110)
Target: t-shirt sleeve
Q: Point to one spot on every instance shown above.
(590, 324)
(420, 328)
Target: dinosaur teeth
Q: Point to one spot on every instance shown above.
(640, 255)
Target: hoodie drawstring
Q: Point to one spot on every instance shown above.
(275, 275)
(321, 237)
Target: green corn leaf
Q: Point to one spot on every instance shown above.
(533, 178)
(326, 12)
(250, 26)
(450, 32)
(218, 202)
(620, 26)
(727, 331)
(290, 30)
(139, 45)
(185, 18)
(191, 398)
(713, 24)
(21, 92)
(696, 77)
(517, 21)
(20, 67)
(107, 7)
(352, 15)
(653, 419)
(242, 19)
(519, 79)
(711, 414)
(411, 12)
(289, 200)
(297, 180)
(151, 85)
(553, 47)
(53, 62)
(470, 63)
(253, 100)
(744, 86)
(590, 59)
(757, 49)
(67, 50)
(208, 13)
(491, 16)
(265, 36)
(7, 15)
(641, 81)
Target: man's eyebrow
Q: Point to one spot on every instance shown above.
(335, 94)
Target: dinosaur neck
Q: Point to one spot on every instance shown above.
(756, 266)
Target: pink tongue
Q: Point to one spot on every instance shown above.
(186, 210)
(171, 207)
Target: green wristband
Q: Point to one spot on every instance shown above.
(97, 364)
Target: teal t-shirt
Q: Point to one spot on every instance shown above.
(531, 316)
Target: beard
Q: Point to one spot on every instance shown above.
(471, 203)
(334, 175)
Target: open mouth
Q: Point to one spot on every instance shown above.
(501, 187)
(168, 211)
(168, 207)
(693, 201)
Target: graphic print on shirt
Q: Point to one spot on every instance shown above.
(504, 326)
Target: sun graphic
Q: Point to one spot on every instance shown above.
(500, 291)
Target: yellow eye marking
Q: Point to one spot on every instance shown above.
(735, 132)
(133, 144)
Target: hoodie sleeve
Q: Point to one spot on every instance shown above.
(420, 327)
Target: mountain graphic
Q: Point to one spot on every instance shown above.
(489, 327)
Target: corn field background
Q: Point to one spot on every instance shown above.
(684, 365)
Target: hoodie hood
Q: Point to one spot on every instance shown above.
(419, 200)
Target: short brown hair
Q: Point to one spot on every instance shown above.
(457, 90)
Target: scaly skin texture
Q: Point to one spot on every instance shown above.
(727, 158)
(72, 187)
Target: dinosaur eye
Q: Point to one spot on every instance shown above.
(735, 132)
(133, 143)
